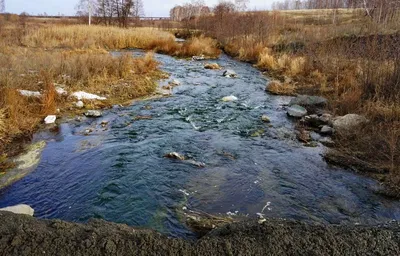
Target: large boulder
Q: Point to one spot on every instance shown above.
(309, 101)
(348, 122)
(19, 209)
(296, 111)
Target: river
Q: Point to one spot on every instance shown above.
(119, 173)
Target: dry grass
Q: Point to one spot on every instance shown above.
(100, 37)
(199, 46)
(2, 125)
(278, 88)
(96, 37)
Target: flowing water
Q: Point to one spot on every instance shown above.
(118, 173)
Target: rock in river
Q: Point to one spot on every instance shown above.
(296, 111)
(229, 73)
(174, 83)
(19, 209)
(229, 98)
(265, 119)
(175, 155)
(212, 66)
(93, 113)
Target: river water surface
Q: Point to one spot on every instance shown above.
(118, 172)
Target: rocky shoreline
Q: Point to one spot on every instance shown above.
(25, 235)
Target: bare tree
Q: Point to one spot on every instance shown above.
(242, 5)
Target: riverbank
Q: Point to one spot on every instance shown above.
(24, 235)
(54, 70)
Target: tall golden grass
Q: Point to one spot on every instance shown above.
(101, 37)
(96, 37)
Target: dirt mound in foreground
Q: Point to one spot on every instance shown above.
(24, 235)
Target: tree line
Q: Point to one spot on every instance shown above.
(379, 10)
(197, 8)
(111, 12)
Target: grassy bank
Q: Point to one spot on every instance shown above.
(340, 54)
(45, 58)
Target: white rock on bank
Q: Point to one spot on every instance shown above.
(61, 91)
(229, 98)
(27, 93)
(197, 58)
(79, 104)
(19, 209)
(51, 119)
(93, 113)
(87, 96)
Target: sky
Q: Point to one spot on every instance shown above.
(155, 8)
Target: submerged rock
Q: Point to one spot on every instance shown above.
(229, 73)
(31, 157)
(51, 119)
(348, 122)
(93, 113)
(81, 95)
(296, 111)
(212, 66)
(19, 209)
(27, 93)
(229, 98)
(175, 155)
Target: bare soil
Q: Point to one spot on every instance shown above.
(25, 235)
